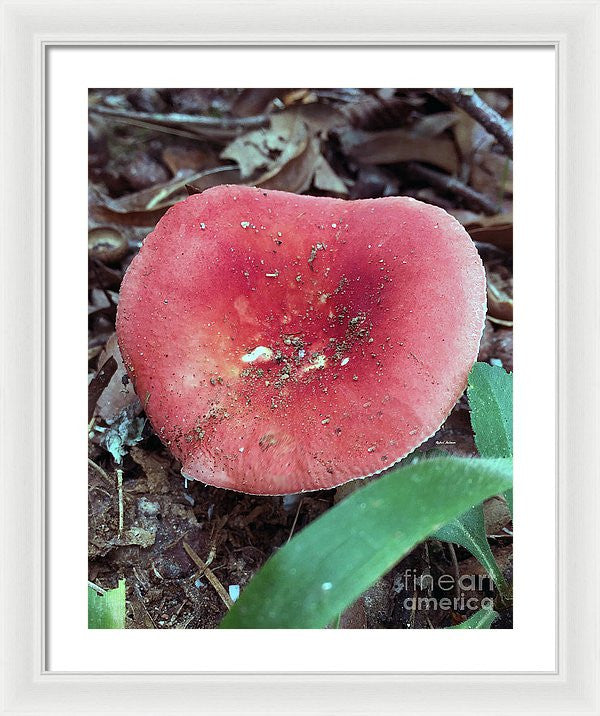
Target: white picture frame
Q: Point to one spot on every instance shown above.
(29, 28)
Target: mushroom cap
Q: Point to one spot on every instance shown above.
(283, 343)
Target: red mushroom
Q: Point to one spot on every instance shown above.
(282, 343)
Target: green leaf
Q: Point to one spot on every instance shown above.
(483, 619)
(107, 611)
(468, 530)
(490, 397)
(326, 567)
(508, 496)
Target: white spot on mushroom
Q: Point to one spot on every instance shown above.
(259, 353)
(189, 380)
(244, 224)
(344, 361)
(319, 361)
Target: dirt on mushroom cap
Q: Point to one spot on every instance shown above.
(283, 343)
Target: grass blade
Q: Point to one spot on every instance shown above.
(483, 619)
(107, 611)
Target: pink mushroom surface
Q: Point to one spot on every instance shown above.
(283, 343)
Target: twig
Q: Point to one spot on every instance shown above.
(413, 610)
(474, 106)
(138, 594)
(219, 588)
(181, 606)
(295, 521)
(200, 121)
(100, 471)
(173, 131)
(96, 588)
(451, 184)
(120, 492)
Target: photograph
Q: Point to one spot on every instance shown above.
(307, 445)
(300, 358)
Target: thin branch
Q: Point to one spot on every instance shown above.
(210, 575)
(96, 588)
(474, 106)
(295, 520)
(200, 121)
(475, 199)
(100, 471)
(120, 494)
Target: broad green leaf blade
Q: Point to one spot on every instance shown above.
(326, 567)
(107, 611)
(483, 619)
(468, 531)
(490, 397)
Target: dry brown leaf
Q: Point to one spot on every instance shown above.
(431, 125)
(119, 393)
(190, 159)
(287, 153)
(155, 468)
(499, 290)
(319, 118)
(106, 244)
(491, 174)
(500, 235)
(102, 302)
(269, 148)
(98, 383)
(327, 180)
(496, 230)
(467, 216)
(487, 172)
(145, 208)
(296, 174)
(295, 96)
(397, 145)
(136, 536)
(255, 100)
(470, 136)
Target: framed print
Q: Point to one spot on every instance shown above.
(306, 230)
